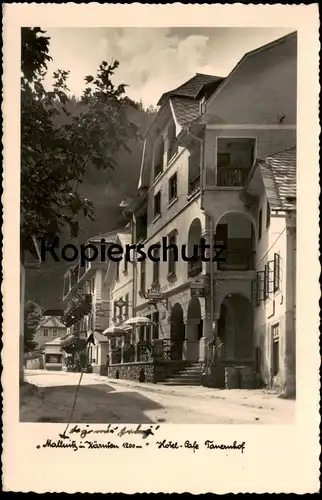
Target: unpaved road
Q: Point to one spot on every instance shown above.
(102, 401)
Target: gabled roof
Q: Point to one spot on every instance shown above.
(99, 337)
(253, 53)
(50, 322)
(191, 88)
(279, 176)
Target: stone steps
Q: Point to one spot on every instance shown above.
(190, 375)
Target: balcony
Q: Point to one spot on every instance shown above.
(194, 268)
(236, 260)
(77, 308)
(194, 185)
(231, 177)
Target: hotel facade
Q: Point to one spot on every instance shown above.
(219, 165)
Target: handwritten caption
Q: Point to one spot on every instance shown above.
(79, 438)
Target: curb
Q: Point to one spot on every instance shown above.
(157, 389)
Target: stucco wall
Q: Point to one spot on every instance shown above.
(267, 80)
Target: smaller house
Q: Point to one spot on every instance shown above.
(49, 329)
(98, 354)
(53, 355)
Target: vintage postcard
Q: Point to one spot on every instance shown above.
(161, 260)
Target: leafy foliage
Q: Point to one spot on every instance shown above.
(32, 319)
(58, 147)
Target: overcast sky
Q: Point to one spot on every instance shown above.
(153, 60)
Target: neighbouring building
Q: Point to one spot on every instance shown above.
(88, 297)
(54, 357)
(219, 165)
(50, 328)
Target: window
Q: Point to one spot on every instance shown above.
(172, 143)
(156, 265)
(260, 217)
(173, 187)
(125, 268)
(276, 348)
(55, 333)
(114, 310)
(268, 215)
(117, 272)
(45, 332)
(158, 158)
(157, 204)
(173, 254)
(127, 298)
(142, 276)
(255, 295)
(261, 285)
(277, 272)
(223, 160)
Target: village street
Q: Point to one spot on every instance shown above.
(102, 400)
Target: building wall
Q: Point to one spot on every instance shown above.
(279, 305)
(41, 339)
(181, 223)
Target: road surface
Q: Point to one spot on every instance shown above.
(101, 400)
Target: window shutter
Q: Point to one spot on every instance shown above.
(261, 285)
(270, 278)
(277, 271)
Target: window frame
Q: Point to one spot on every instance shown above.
(260, 224)
(157, 196)
(268, 215)
(174, 178)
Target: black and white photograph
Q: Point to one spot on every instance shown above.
(159, 205)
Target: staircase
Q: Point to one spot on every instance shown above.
(189, 375)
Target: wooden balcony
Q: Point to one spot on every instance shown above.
(77, 308)
(232, 176)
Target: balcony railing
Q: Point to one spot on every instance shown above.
(231, 176)
(194, 268)
(145, 351)
(236, 260)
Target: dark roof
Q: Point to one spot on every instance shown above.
(99, 337)
(192, 87)
(185, 109)
(279, 176)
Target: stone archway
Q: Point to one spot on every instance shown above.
(194, 239)
(236, 230)
(194, 330)
(235, 330)
(177, 331)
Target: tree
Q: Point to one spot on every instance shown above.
(57, 146)
(32, 317)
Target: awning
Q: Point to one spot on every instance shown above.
(116, 331)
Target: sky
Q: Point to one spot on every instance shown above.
(152, 60)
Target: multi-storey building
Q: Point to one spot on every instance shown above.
(50, 328)
(88, 296)
(218, 164)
